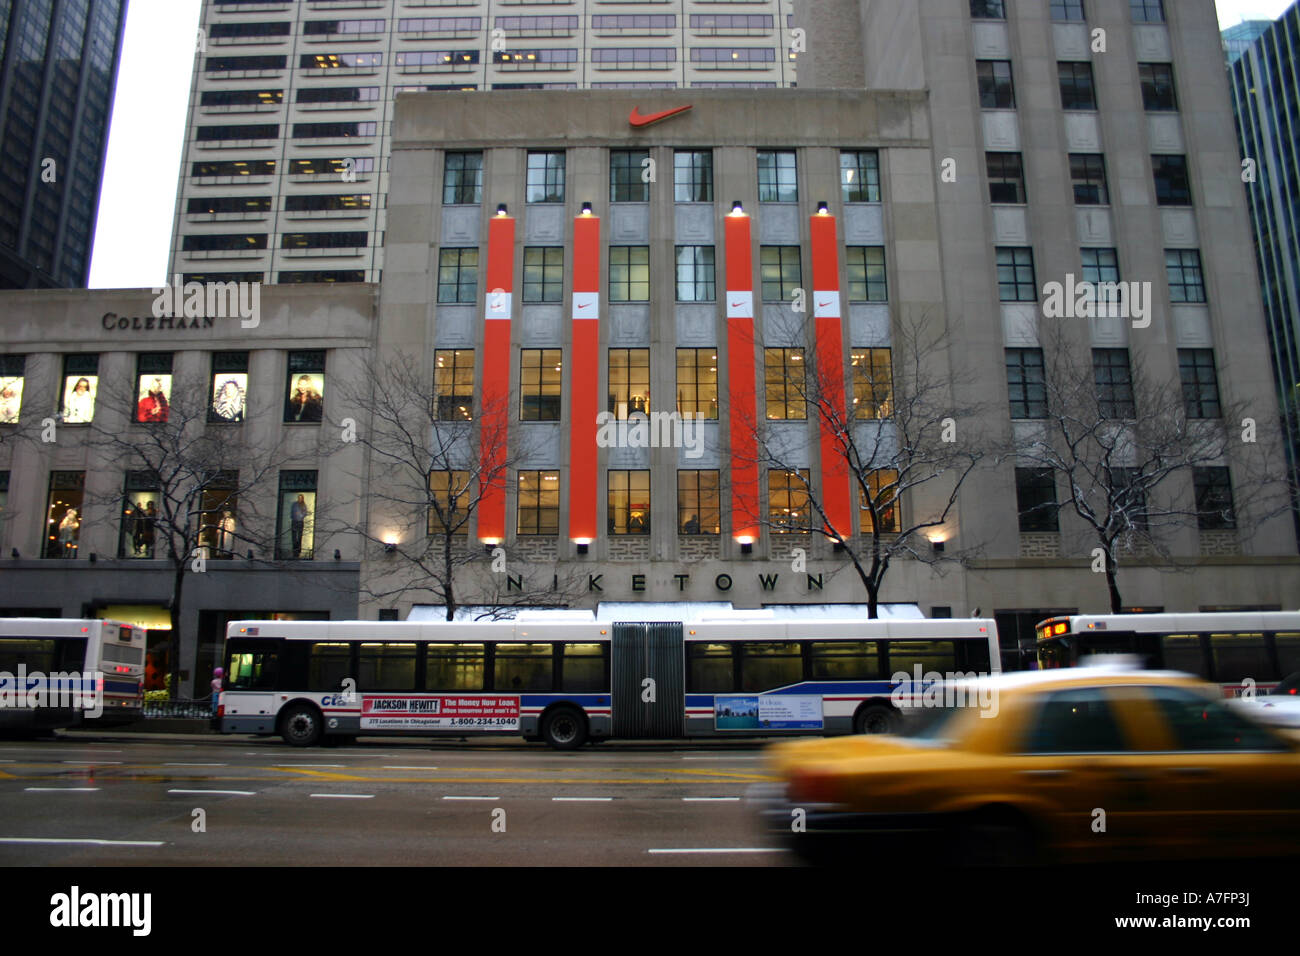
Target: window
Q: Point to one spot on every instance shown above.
(1186, 281)
(783, 380)
(1147, 11)
(80, 384)
(699, 502)
(453, 385)
(1202, 724)
(780, 271)
(454, 667)
(521, 667)
(1077, 92)
(304, 399)
(545, 177)
(4, 498)
(386, 666)
(693, 175)
(1173, 188)
(1016, 274)
(865, 266)
(766, 666)
(1158, 95)
(328, 665)
(457, 275)
(297, 522)
(1100, 265)
(697, 382)
(629, 502)
(1075, 721)
(1070, 10)
(315, 203)
(710, 669)
(777, 177)
(932, 656)
(241, 64)
(1026, 383)
(860, 175)
(988, 10)
(543, 273)
(539, 503)
(153, 386)
(873, 384)
(332, 94)
(330, 130)
(63, 513)
(1088, 176)
(12, 378)
(254, 167)
(1036, 500)
(1114, 380)
(1006, 177)
(222, 205)
(882, 484)
(585, 669)
(1200, 384)
(218, 522)
(540, 372)
(695, 274)
(845, 660)
(462, 179)
(1214, 508)
(449, 501)
(787, 501)
(629, 382)
(997, 92)
(626, 180)
(629, 273)
(139, 516)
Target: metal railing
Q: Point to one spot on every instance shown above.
(179, 707)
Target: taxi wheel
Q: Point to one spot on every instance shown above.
(994, 837)
(876, 719)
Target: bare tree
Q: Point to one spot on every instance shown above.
(900, 441)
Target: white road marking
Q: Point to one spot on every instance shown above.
(61, 789)
(471, 798)
(408, 768)
(707, 799)
(82, 842)
(731, 849)
(231, 793)
(345, 796)
(582, 799)
(94, 763)
(195, 765)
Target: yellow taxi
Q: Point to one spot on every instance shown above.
(1087, 763)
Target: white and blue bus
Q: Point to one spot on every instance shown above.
(61, 672)
(568, 682)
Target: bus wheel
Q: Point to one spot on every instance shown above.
(300, 725)
(564, 729)
(876, 719)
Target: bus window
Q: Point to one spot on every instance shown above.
(454, 667)
(386, 667)
(328, 665)
(932, 656)
(1288, 651)
(37, 655)
(845, 660)
(972, 656)
(1183, 653)
(522, 667)
(709, 669)
(254, 670)
(1238, 656)
(1055, 653)
(769, 666)
(583, 670)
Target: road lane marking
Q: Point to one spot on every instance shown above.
(408, 768)
(752, 757)
(344, 796)
(582, 799)
(471, 798)
(196, 765)
(230, 793)
(725, 849)
(62, 789)
(93, 763)
(707, 799)
(81, 842)
(310, 766)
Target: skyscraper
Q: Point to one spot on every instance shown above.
(57, 77)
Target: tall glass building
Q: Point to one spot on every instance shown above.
(1265, 81)
(57, 75)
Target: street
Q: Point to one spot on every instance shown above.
(180, 800)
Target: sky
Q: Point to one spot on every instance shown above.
(137, 206)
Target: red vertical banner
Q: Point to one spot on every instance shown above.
(584, 402)
(829, 385)
(743, 421)
(494, 420)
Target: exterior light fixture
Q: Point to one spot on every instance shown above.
(737, 209)
(823, 209)
(586, 209)
(584, 545)
(502, 210)
(746, 544)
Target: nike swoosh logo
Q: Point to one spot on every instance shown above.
(583, 305)
(822, 305)
(737, 305)
(638, 121)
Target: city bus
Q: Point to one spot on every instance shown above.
(59, 672)
(569, 682)
(1240, 651)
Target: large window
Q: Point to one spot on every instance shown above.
(1158, 94)
(629, 502)
(1088, 177)
(453, 384)
(1077, 90)
(522, 667)
(1147, 11)
(449, 500)
(629, 382)
(1200, 383)
(219, 533)
(777, 177)
(1100, 265)
(788, 510)
(63, 513)
(882, 494)
(780, 271)
(543, 273)
(845, 660)
(1068, 10)
(386, 666)
(1006, 174)
(1186, 280)
(452, 667)
(1214, 506)
(545, 177)
(765, 666)
(12, 378)
(1114, 379)
(540, 375)
(1173, 186)
(988, 10)
(139, 516)
(710, 669)
(873, 384)
(699, 502)
(305, 389)
(629, 273)
(80, 385)
(1026, 384)
(153, 387)
(865, 266)
(784, 384)
(860, 175)
(457, 275)
(297, 522)
(696, 275)
(997, 92)
(693, 175)
(697, 382)
(1036, 500)
(626, 183)
(1016, 274)
(462, 179)
(539, 503)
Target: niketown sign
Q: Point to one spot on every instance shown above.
(638, 121)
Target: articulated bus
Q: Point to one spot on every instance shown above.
(1228, 649)
(59, 672)
(568, 682)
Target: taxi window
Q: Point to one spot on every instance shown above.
(1075, 721)
(1202, 723)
